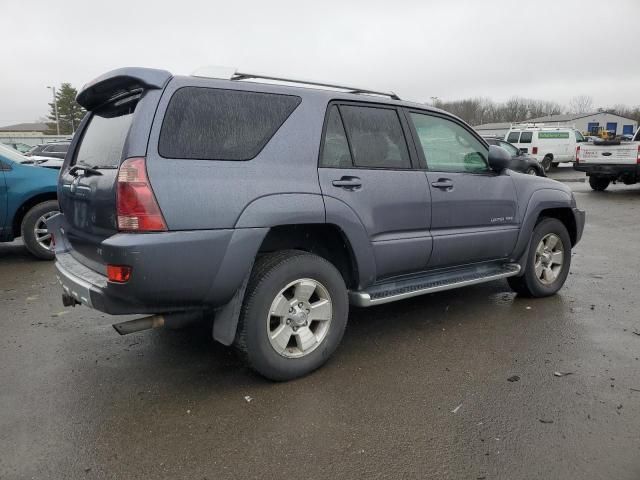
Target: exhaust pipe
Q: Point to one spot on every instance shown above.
(173, 321)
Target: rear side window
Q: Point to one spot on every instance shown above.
(335, 148)
(215, 124)
(513, 137)
(104, 137)
(376, 137)
(525, 137)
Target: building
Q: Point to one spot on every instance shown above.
(28, 133)
(493, 129)
(590, 122)
(584, 122)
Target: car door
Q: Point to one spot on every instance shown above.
(473, 209)
(366, 164)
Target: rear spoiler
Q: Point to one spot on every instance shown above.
(117, 82)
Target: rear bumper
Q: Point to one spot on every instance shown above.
(171, 271)
(613, 172)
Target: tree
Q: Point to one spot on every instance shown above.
(70, 113)
(581, 104)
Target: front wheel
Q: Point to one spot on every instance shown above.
(599, 184)
(531, 171)
(548, 261)
(293, 316)
(35, 234)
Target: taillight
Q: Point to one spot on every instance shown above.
(118, 273)
(534, 150)
(578, 154)
(638, 157)
(137, 208)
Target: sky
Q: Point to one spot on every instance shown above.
(450, 49)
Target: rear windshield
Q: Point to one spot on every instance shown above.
(104, 137)
(216, 124)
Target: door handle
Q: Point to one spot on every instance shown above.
(443, 183)
(349, 183)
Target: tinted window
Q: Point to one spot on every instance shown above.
(335, 148)
(215, 124)
(448, 147)
(513, 151)
(513, 137)
(526, 137)
(104, 137)
(376, 137)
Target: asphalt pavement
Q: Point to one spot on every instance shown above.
(475, 383)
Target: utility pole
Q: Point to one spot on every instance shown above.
(55, 108)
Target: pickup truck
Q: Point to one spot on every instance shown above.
(609, 161)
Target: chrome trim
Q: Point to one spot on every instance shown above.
(363, 299)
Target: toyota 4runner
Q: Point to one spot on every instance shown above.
(274, 207)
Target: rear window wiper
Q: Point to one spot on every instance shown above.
(86, 168)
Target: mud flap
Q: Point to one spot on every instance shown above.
(225, 322)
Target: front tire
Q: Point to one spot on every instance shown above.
(35, 235)
(599, 184)
(531, 171)
(548, 261)
(293, 316)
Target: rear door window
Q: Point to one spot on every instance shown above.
(335, 147)
(376, 137)
(513, 137)
(216, 124)
(103, 139)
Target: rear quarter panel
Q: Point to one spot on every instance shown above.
(212, 194)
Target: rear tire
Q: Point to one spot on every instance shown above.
(555, 164)
(531, 171)
(548, 261)
(546, 162)
(277, 317)
(35, 235)
(599, 184)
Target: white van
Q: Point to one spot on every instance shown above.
(553, 144)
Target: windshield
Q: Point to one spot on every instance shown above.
(9, 153)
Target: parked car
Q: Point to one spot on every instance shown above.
(27, 199)
(553, 143)
(19, 147)
(43, 162)
(610, 161)
(272, 208)
(520, 161)
(49, 150)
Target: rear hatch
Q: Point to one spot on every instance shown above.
(117, 127)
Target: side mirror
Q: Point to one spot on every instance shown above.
(499, 158)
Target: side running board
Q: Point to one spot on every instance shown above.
(430, 283)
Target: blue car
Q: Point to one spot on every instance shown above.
(28, 196)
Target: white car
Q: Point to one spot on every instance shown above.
(553, 144)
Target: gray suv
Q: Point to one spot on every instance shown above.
(272, 208)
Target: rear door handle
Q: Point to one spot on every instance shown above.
(349, 183)
(443, 183)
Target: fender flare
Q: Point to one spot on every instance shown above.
(541, 200)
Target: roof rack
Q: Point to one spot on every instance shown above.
(233, 74)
